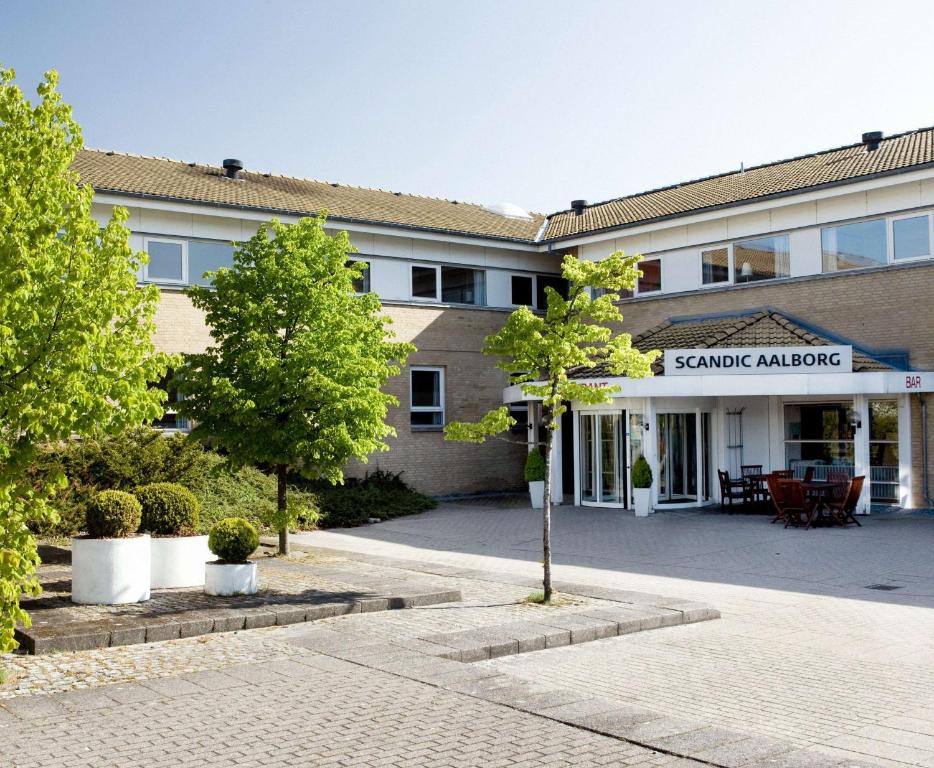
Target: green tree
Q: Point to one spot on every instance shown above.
(538, 351)
(75, 332)
(294, 380)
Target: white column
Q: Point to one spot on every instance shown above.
(776, 433)
(651, 447)
(699, 459)
(577, 459)
(905, 498)
(861, 450)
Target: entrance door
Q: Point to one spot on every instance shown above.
(677, 457)
(603, 458)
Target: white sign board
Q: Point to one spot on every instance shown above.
(760, 360)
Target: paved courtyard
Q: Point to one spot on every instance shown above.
(805, 651)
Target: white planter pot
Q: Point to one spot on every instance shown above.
(642, 501)
(110, 571)
(230, 578)
(537, 493)
(178, 561)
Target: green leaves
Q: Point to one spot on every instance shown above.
(75, 333)
(296, 373)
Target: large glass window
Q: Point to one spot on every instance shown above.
(361, 284)
(207, 257)
(715, 266)
(883, 450)
(166, 261)
(851, 246)
(651, 280)
(911, 237)
(819, 435)
(549, 281)
(427, 398)
(764, 258)
(521, 290)
(425, 282)
(460, 285)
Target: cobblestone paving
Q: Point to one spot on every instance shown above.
(804, 652)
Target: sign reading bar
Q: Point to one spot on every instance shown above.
(761, 360)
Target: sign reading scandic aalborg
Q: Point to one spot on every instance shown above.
(761, 360)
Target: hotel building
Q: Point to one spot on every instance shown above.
(793, 302)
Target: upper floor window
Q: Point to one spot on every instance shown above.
(715, 266)
(166, 261)
(455, 285)
(764, 258)
(911, 237)
(651, 280)
(549, 281)
(425, 283)
(426, 398)
(522, 289)
(207, 257)
(361, 283)
(851, 246)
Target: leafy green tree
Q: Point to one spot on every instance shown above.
(75, 331)
(295, 378)
(538, 351)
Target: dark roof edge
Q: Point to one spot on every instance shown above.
(294, 212)
(722, 206)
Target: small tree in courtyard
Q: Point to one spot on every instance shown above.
(538, 351)
(75, 348)
(295, 378)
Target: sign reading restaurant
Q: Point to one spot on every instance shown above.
(761, 360)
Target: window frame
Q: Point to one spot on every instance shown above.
(890, 234)
(440, 285)
(367, 276)
(751, 239)
(184, 261)
(889, 244)
(436, 299)
(441, 408)
(729, 265)
(530, 277)
(637, 289)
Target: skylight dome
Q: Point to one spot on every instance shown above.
(509, 210)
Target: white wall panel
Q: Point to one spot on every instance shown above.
(748, 224)
(392, 246)
(498, 288)
(805, 252)
(668, 238)
(843, 207)
(787, 217)
(680, 271)
(166, 222)
(893, 198)
(390, 279)
(704, 232)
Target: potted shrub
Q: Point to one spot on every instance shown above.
(535, 477)
(178, 553)
(111, 564)
(642, 486)
(233, 540)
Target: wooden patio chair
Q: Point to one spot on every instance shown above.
(777, 494)
(809, 473)
(755, 488)
(798, 509)
(844, 510)
(730, 489)
(783, 474)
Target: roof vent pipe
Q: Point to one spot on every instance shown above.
(578, 206)
(232, 167)
(871, 139)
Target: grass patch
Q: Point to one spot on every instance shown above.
(557, 600)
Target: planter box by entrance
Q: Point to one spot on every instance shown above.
(643, 501)
(110, 571)
(178, 561)
(225, 579)
(537, 493)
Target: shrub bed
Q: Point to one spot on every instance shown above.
(169, 509)
(113, 515)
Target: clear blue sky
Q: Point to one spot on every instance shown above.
(529, 102)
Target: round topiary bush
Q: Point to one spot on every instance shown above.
(113, 515)
(641, 473)
(534, 466)
(233, 539)
(169, 509)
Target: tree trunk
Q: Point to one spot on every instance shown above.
(281, 506)
(546, 521)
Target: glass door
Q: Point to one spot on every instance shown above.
(677, 457)
(603, 458)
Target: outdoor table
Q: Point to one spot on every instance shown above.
(758, 484)
(820, 490)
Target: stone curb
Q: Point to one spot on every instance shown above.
(83, 636)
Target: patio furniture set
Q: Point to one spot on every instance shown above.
(795, 501)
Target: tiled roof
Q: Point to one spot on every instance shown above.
(765, 328)
(191, 182)
(849, 163)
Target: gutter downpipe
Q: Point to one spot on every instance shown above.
(924, 452)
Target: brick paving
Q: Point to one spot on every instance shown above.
(804, 652)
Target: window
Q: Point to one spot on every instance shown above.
(651, 280)
(460, 285)
(520, 412)
(911, 237)
(852, 246)
(764, 258)
(819, 435)
(170, 419)
(715, 266)
(166, 261)
(425, 283)
(207, 257)
(427, 398)
(522, 288)
(548, 281)
(361, 284)
(883, 450)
